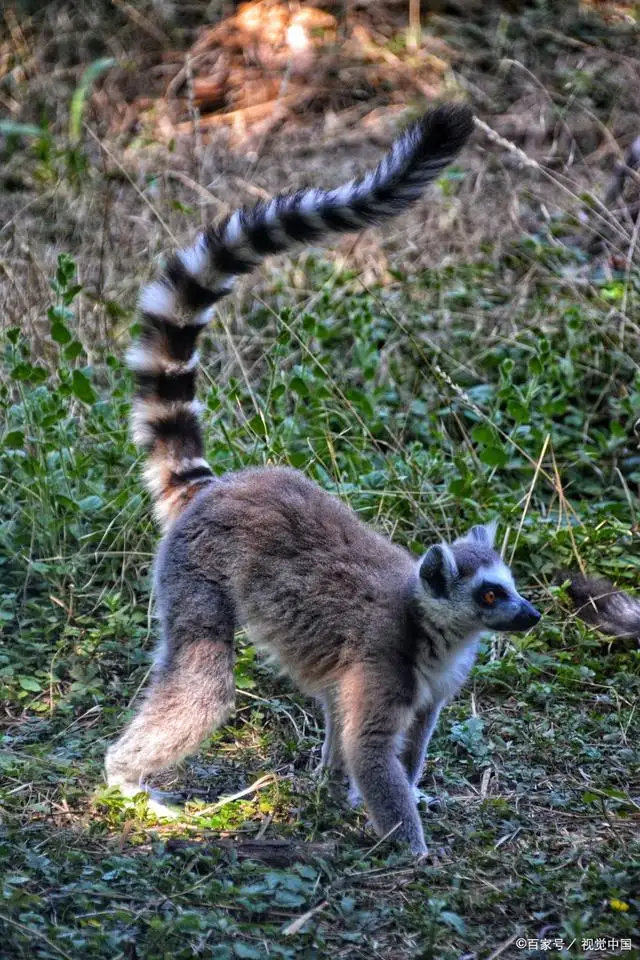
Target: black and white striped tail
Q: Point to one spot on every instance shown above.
(247, 236)
(598, 603)
(175, 307)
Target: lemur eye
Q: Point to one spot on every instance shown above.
(489, 597)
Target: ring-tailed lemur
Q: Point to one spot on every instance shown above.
(601, 605)
(381, 638)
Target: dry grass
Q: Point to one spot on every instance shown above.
(570, 103)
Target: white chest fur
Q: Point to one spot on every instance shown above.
(440, 679)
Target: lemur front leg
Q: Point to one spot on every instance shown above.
(331, 755)
(373, 717)
(416, 743)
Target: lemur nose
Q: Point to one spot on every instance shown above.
(529, 614)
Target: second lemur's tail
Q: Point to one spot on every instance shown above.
(175, 307)
(598, 603)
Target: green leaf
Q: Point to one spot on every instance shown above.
(614, 794)
(67, 502)
(90, 504)
(82, 388)
(483, 433)
(73, 350)
(30, 684)
(14, 440)
(458, 487)
(613, 291)
(258, 425)
(298, 386)
(59, 332)
(71, 293)
(518, 411)
(494, 456)
(66, 269)
(22, 371)
(27, 372)
(360, 399)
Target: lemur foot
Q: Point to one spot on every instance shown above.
(420, 797)
(425, 799)
(167, 806)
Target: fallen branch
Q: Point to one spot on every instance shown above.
(247, 114)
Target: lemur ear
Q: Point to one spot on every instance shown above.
(484, 534)
(439, 569)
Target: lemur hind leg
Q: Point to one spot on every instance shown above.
(372, 722)
(191, 693)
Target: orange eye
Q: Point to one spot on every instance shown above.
(489, 597)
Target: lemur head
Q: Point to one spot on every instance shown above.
(469, 584)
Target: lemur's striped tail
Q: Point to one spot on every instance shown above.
(598, 603)
(175, 307)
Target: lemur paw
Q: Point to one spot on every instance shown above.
(165, 806)
(425, 798)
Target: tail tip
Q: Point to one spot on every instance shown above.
(449, 125)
